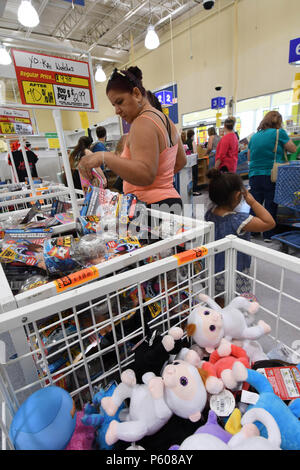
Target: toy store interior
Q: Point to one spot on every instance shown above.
(149, 226)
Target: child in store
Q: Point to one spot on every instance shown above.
(226, 191)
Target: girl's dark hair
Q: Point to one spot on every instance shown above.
(190, 133)
(126, 80)
(222, 186)
(154, 101)
(83, 143)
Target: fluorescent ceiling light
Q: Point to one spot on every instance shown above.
(5, 58)
(27, 14)
(100, 74)
(151, 39)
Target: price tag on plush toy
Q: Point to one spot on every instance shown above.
(222, 404)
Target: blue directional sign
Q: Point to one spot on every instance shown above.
(294, 55)
(76, 2)
(218, 102)
(165, 97)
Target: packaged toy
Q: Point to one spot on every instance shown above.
(207, 326)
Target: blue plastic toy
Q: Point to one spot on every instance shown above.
(45, 421)
(286, 417)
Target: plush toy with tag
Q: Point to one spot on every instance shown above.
(180, 390)
(246, 439)
(286, 417)
(208, 325)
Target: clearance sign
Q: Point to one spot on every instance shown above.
(51, 81)
(15, 121)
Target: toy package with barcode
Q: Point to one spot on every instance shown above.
(121, 246)
(89, 224)
(59, 255)
(23, 252)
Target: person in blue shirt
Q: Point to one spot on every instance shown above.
(261, 155)
(100, 145)
(226, 191)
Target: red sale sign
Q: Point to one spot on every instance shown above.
(52, 81)
(15, 121)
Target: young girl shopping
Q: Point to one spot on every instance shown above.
(226, 191)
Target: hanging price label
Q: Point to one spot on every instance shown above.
(190, 255)
(76, 279)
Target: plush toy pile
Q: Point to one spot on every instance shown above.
(212, 393)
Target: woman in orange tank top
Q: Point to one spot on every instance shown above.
(153, 152)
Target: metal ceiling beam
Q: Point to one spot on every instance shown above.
(115, 26)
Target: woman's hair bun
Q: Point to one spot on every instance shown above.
(136, 71)
(213, 174)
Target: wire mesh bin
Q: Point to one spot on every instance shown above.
(194, 232)
(94, 327)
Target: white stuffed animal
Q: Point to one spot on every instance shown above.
(180, 390)
(246, 439)
(207, 326)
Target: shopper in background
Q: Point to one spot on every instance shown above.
(228, 148)
(100, 144)
(19, 160)
(212, 143)
(261, 155)
(183, 137)
(225, 192)
(153, 151)
(193, 149)
(83, 149)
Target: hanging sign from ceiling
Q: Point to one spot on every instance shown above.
(15, 121)
(52, 81)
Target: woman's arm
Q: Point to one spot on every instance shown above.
(141, 169)
(180, 157)
(209, 144)
(262, 221)
(290, 146)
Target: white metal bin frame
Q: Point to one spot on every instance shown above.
(196, 232)
(173, 312)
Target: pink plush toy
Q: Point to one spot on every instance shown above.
(225, 367)
(208, 325)
(180, 390)
(83, 436)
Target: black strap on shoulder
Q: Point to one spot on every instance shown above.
(166, 124)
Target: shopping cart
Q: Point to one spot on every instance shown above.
(92, 359)
(169, 242)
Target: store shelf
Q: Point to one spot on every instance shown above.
(202, 170)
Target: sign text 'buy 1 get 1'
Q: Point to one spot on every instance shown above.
(52, 81)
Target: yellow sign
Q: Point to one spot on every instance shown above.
(84, 119)
(25, 120)
(7, 128)
(53, 143)
(166, 111)
(68, 80)
(38, 93)
(296, 88)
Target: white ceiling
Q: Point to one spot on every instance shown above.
(105, 28)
